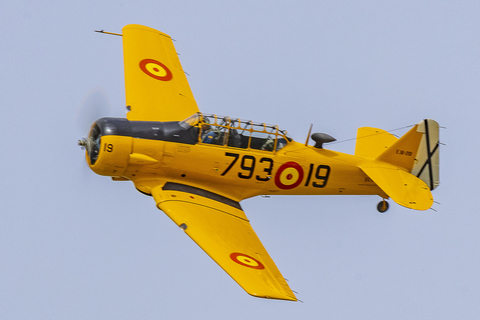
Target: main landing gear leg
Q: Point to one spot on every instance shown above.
(382, 206)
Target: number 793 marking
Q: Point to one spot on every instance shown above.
(247, 164)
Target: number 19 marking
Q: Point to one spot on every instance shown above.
(321, 174)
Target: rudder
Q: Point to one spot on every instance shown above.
(427, 162)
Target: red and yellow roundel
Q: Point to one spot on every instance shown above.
(246, 260)
(156, 69)
(289, 175)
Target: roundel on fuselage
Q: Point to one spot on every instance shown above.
(289, 175)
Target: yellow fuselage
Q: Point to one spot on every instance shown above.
(236, 173)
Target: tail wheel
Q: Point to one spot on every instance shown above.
(382, 206)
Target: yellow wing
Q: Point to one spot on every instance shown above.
(156, 87)
(219, 226)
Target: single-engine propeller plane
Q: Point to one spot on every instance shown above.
(198, 167)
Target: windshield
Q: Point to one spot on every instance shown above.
(191, 121)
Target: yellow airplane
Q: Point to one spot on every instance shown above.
(198, 167)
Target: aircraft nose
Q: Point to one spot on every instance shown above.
(85, 144)
(82, 143)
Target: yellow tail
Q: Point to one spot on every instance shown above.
(406, 169)
(416, 151)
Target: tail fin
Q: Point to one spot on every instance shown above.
(408, 168)
(404, 151)
(416, 151)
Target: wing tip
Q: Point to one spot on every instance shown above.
(286, 297)
(144, 28)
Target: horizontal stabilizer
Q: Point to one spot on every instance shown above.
(403, 187)
(372, 142)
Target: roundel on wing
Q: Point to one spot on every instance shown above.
(156, 69)
(289, 175)
(246, 260)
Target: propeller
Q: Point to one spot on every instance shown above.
(95, 105)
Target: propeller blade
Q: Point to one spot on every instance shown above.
(95, 105)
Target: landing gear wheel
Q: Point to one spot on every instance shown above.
(382, 206)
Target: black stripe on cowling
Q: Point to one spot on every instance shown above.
(172, 186)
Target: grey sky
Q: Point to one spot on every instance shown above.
(74, 245)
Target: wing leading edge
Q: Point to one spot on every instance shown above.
(219, 226)
(156, 87)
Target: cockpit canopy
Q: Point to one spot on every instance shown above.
(237, 133)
